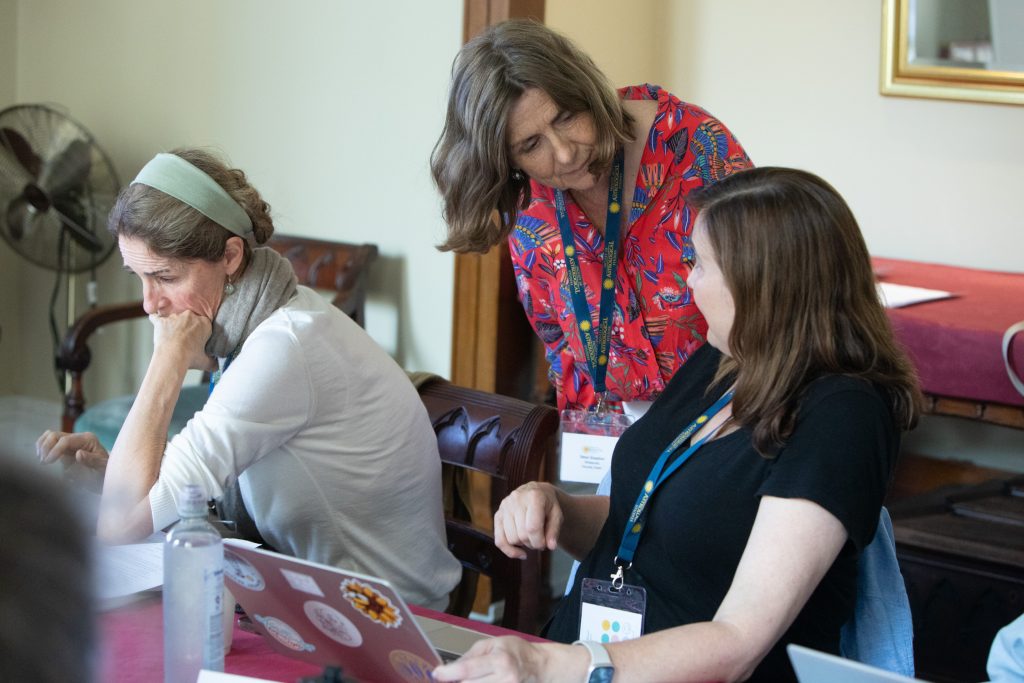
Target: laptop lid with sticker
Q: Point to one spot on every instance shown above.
(329, 616)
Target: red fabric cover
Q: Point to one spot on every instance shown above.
(131, 647)
(957, 343)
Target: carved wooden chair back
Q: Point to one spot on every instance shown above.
(508, 440)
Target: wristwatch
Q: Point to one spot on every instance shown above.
(601, 669)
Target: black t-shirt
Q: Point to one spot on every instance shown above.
(841, 456)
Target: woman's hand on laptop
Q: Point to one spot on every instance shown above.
(507, 659)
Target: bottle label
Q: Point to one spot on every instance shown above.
(213, 591)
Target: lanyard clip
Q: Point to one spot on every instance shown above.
(617, 578)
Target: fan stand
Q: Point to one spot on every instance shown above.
(71, 314)
(70, 289)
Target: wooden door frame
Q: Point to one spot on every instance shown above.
(493, 346)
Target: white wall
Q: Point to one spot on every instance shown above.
(623, 39)
(332, 107)
(797, 82)
(10, 265)
(930, 180)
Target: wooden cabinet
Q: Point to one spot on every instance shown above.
(962, 556)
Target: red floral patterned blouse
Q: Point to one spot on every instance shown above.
(655, 324)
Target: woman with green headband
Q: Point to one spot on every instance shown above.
(316, 428)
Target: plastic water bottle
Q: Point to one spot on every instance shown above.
(193, 593)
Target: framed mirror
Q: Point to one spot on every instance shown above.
(970, 50)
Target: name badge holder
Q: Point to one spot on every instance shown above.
(589, 437)
(611, 610)
(610, 615)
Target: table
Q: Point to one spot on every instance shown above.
(131, 646)
(956, 344)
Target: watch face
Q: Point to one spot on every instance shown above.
(602, 674)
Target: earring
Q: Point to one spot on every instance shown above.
(517, 175)
(229, 288)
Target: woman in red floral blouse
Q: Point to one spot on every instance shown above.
(530, 117)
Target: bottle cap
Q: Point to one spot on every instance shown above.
(192, 502)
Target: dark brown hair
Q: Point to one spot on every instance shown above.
(470, 162)
(806, 305)
(172, 228)
(47, 633)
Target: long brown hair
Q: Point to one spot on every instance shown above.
(805, 300)
(470, 162)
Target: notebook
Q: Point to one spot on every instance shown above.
(331, 616)
(812, 666)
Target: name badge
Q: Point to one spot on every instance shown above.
(608, 615)
(587, 442)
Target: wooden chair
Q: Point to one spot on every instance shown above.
(320, 264)
(507, 439)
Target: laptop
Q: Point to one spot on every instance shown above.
(812, 666)
(331, 616)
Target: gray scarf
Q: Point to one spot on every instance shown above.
(266, 285)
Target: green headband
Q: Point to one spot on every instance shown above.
(178, 178)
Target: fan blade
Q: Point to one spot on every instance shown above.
(13, 176)
(67, 171)
(83, 236)
(14, 141)
(15, 217)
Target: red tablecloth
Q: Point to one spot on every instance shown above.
(956, 343)
(131, 647)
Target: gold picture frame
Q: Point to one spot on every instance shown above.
(903, 77)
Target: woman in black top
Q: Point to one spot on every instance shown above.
(752, 543)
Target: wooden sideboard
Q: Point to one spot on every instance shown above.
(961, 551)
(959, 540)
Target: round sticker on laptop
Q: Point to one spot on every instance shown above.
(284, 634)
(239, 570)
(410, 667)
(333, 623)
(371, 603)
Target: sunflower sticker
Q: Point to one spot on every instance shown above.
(371, 603)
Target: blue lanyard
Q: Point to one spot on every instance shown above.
(658, 475)
(595, 350)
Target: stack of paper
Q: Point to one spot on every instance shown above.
(895, 296)
(123, 570)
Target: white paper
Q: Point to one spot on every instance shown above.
(221, 677)
(585, 457)
(127, 569)
(895, 296)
